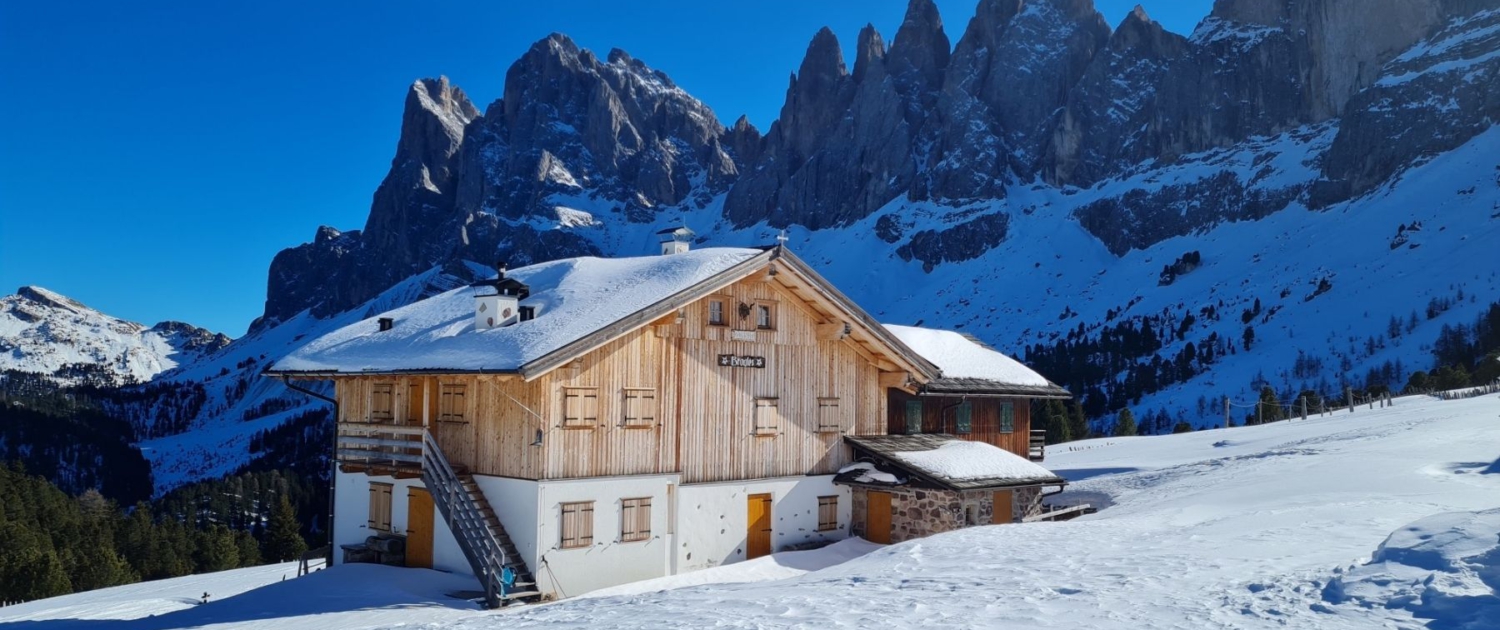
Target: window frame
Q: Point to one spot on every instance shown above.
(1007, 417)
(581, 525)
(635, 525)
(759, 425)
(963, 418)
(722, 316)
(631, 399)
(453, 403)
(583, 395)
(917, 405)
(381, 496)
(386, 391)
(829, 406)
(828, 521)
(767, 308)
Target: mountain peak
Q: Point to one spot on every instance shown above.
(50, 299)
(921, 49)
(870, 49)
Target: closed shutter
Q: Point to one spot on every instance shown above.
(640, 407)
(828, 416)
(577, 524)
(635, 519)
(380, 507)
(767, 416)
(382, 403)
(452, 403)
(580, 407)
(828, 513)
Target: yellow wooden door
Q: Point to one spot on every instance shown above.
(878, 518)
(758, 536)
(414, 402)
(1003, 507)
(419, 528)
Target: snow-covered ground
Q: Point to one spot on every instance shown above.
(1256, 527)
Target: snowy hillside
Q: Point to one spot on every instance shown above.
(1273, 526)
(47, 333)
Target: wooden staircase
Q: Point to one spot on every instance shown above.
(488, 548)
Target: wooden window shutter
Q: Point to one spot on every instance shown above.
(640, 407)
(452, 403)
(635, 519)
(1007, 417)
(913, 416)
(382, 403)
(828, 513)
(577, 524)
(767, 417)
(964, 417)
(828, 415)
(380, 507)
(580, 407)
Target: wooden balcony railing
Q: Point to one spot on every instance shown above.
(371, 446)
(1037, 450)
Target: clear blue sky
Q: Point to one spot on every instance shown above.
(155, 156)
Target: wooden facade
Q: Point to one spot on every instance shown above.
(660, 399)
(940, 415)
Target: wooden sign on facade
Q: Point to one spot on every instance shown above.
(733, 360)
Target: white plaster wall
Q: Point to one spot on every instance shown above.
(351, 517)
(609, 561)
(515, 504)
(713, 518)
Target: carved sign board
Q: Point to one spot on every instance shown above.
(742, 335)
(731, 360)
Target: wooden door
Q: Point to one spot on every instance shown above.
(419, 527)
(758, 536)
(878, 518)
(1004, 510)
(414, 402)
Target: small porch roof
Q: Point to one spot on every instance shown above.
(948, 462)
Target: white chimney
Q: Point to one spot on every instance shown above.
(675, 240)
(497, 302)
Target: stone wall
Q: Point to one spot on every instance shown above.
(917, 512)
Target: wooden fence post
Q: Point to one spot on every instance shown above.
(1226, 412)
(1349, 397)
(1304, 407)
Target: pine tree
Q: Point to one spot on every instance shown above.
(1078, 425)
(283, 542)
(1125, 426)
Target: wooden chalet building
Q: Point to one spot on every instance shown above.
(582, 423)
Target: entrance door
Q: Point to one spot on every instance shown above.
(418, 528)
(878, 517)
(1003, 509)
(758, 537)
(414, 402)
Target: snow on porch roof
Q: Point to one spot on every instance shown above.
(954, 463)
(970, 366)
(573, 298)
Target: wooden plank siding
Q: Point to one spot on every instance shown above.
(704, 412)
(938, 417)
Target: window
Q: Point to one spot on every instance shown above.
(767, 417)
(451, 403)
(382, 402)
(765, 316)
(635, 519)
(380, 506)
(828, 416)
(580, 407)
(913, 417)
(577, 524)
(640, 408)
(1007, 417)
(828, 513)
(716, 312)
(964, 416)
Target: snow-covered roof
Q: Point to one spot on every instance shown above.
(952, 462)
(969, 365)
(572, 298)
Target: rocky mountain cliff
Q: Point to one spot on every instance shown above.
(42, 332)
(1039, 91)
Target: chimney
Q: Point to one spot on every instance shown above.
(497, 302)
(675, 240)
(386, 323)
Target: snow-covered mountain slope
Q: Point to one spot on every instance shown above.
(1382, 518)
(47, 333)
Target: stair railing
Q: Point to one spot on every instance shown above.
(464, 517)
